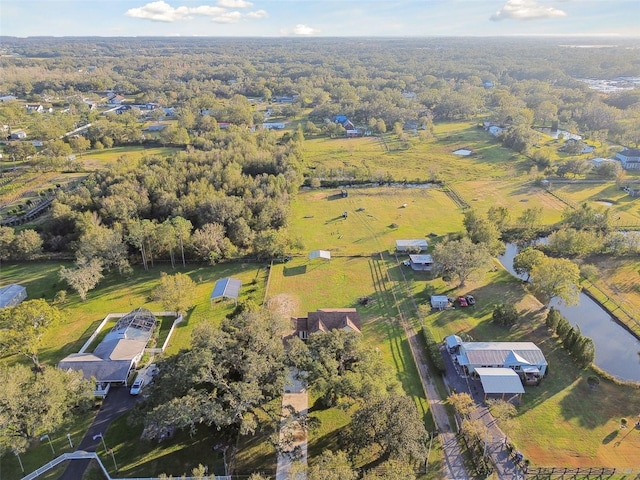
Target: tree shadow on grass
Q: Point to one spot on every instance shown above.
(609, 438)
(335, 440)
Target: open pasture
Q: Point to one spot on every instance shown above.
(625, 209)
(515, 195)
(377, 158)
(317, 218)
(100, 159)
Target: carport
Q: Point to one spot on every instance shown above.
(226, 288)
(500, 381)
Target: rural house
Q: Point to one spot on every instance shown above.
(326, 319)
(629, 158)
(421, 262)
(119, 352)
(525, 358)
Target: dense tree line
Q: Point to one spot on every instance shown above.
(208, 204)
(532, 81)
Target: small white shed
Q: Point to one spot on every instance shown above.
(326, 254)
(439, 302)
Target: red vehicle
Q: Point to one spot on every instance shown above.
(462, 301)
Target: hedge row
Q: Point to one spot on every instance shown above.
(433, 349)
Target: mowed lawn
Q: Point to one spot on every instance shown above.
(340, 283)
(562, 422)
(376, 217)
(117, 294)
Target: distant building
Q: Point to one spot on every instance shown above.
(18, 135)
(629, 158)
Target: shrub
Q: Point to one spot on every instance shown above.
(505, 314)
(433, 349)
(553, 318)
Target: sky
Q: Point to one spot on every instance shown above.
(320, 18)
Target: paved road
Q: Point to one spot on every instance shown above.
(115, 404)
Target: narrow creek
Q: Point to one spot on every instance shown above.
(617, 350)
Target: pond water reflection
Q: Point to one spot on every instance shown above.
(617, 350)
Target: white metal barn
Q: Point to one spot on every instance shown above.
(413, 245)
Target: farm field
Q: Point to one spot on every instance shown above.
(317, 218)
(625, 210)
(415, 160)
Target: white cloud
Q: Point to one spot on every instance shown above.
(234, 3)
(526, 10)
(257, 14)
(301, 29)
(228, 17)
(159, 11)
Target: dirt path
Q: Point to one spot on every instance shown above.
(453, 461)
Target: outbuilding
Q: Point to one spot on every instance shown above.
(226, 288)
(325, 254)
(439, 302)
(413, 245)
(12, 295)
(500, 381)
(421, 262)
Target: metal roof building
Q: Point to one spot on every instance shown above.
(12, 295)
(417, 244)
(226, 288)
(500, 381)
(515, 355)
(326, 254)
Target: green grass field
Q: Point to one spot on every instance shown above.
(376, 157)
(562, 422)
(98, 159)
(376, 218)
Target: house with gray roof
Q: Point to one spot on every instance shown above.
(327, 319)
(118, 353)
(525, 358)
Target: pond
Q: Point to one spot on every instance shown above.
(617, 350)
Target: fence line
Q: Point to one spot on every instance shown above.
(82, 455)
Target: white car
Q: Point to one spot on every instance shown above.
(137, 386)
